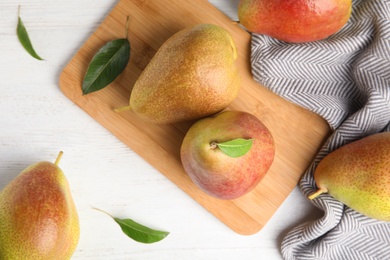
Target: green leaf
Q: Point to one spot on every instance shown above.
(106, 65)
(24, 38)
(137, 231)
(236, 148)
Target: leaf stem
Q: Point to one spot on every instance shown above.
(127, 27)
(57, 161)
(103, 212)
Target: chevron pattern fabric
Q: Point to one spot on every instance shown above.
(345, 79)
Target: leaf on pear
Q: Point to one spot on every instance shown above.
(236, 148)
(106, 65)
(24, 39)
(137, 231)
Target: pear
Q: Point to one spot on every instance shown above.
(192, 75)
(294, 21)
(217, 173)
(38, 218)
(358, 175)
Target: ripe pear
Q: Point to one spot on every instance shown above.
(294, 20)
(38, 218)
(220, 174)
(192, 75)
(358, 175)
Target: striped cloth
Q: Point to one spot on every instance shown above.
(346, 80)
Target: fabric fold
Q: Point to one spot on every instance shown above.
(346, 80)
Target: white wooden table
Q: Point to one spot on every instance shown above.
(37, 121)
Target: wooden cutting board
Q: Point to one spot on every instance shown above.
(298, 133)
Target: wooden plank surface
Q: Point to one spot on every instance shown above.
(298, 133)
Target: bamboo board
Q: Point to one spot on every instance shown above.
(298, 133)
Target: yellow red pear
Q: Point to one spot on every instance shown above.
(38, 218)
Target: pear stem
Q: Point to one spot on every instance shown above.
(57, 161)
(213, 145)
(121, 109)
(317, 193)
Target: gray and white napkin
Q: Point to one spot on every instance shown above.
(345, 79)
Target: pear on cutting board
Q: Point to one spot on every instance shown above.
(358, 175)
(38, 218)
(191, 76)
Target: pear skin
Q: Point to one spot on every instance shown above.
(294, 20)
(191, 76)
(38, 218)
(358, 175)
